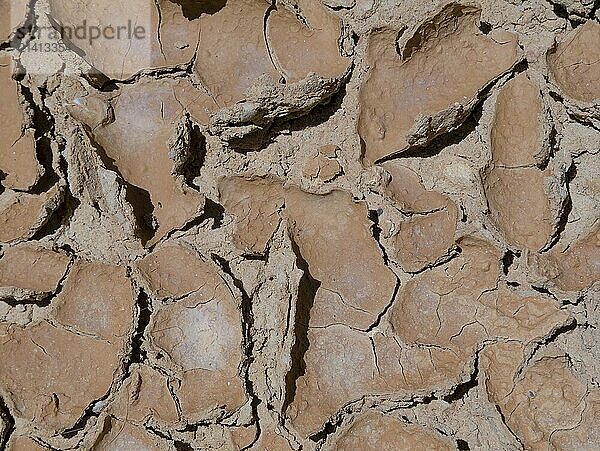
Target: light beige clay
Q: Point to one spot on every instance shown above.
(400, 105)
(300, 225)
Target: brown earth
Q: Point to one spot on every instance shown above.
(300, 225)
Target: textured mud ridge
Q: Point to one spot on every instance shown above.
(300, 225)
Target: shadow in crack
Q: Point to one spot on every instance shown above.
(138, 198)
(307, 291)
(43, 125)
(193, 9)
(192, 167)
(9, 424)
(263, 136)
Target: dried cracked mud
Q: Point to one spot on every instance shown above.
(300, 225)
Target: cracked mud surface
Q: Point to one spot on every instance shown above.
(301, 225)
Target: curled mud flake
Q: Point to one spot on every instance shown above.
(256, 204)
(97, 299)
(546, 398)
(202, 335)
(163, 271)
(136, 144)
(354, 289)
(576, 268)
(120, 39)
(232, 42)
(119, 435)
(408, 100)
(55, 374)
(144, 395)
(428, 234)
(18, 159)
(323, 164)
(519, 205)
(376, 432)
(20, 262)
(340, 367)
(310, 44)
(575, 63)
(517, 136)
(21, 214)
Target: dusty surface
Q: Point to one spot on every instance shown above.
(301, 225)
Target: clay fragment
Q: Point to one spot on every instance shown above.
(428, 233)
(21, 214)
(162, 270)
(438, 321)
(517, 190)
(201, 334)
(518, 135)
(352, 290)
(575, 268)
(130, 49)
(120, 435)
(547, 406)
(57, 371)
(575, 63)
(294, 42)
(458, 306)
(519, 205)
(323, 164)
(430, 88)
(232, 42)
(18, 159)
(138, 145)
(88, 292)
(203, 341)
(178, 34)
(256, 205)
(19, 262)
(340, 367)
(145, 395)
(377, 432)
(58, 391)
